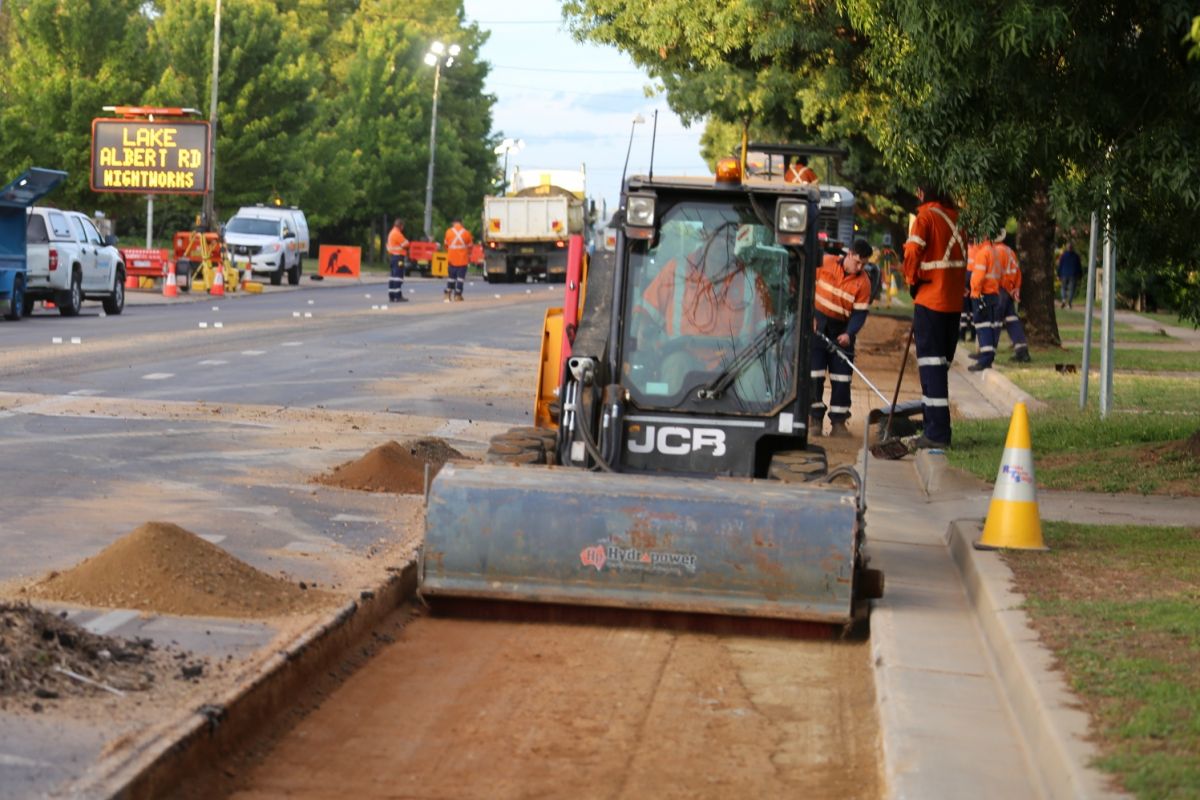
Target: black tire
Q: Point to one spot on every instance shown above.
(514, 447)
(16, 303)
(294, 272)
(799, 466)
(70, 301)
(114, 304)
(27, 305)
(277, 276)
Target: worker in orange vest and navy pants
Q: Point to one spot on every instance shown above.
(841, 301)
(935, 269)
(458, 248)
(984, 263)
(397, 247)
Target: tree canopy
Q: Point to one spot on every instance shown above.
(1043, 110)
(322, 104)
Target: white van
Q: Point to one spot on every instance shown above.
(268, 239)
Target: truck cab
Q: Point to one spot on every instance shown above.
(15, 199)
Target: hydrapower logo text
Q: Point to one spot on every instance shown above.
(676, 440)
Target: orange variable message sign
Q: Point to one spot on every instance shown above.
(141, 157)
(339, 260)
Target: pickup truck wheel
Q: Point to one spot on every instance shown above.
(16, 303)
(70, 301)
(114, 304)
(27, 305)
(277, 276)
(294, 272)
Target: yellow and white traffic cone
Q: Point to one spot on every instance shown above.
(1013, 521)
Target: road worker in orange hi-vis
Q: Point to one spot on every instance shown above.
(458, 248)
(1010, 295)
(935, 269)
(841, 302)
(800, 172)
(397, 247)
(984, 264)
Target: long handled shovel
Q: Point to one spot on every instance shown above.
(892, 447)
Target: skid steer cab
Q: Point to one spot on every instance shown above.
(684, 480)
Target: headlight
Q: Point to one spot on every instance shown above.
(640, 211)
(792, 217)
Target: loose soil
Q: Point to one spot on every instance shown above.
(392, 467)
(469, 709)
(162, 568)
(38, 650)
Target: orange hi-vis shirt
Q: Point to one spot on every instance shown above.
(839, 295)
(984, 260)
(397, 243)
(458, 246)
(935, 259)
(800, 173)
(685, 301)
(1010, 269)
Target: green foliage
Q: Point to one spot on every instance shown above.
(1000, 102)
(323, 104)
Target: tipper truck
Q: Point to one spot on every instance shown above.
(679, 475)
(525, 232)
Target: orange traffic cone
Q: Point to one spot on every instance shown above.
(218, 285)
(131, 281)
(1013, 521)
(247, 276)
(170, 288)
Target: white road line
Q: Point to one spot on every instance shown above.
(452, 427)
(10, 760)
(158, 376)
(291, 344)
(253, 352)
(213, 362)
(212, 538)
(84, 392)
(106, 623)
(354, 518)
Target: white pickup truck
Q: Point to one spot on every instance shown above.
(68, 261)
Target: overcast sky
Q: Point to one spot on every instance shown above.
(572, 103)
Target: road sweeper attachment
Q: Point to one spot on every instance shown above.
(680, 477)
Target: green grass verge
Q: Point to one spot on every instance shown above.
(1123, 359)
(1120, 608)
(1124, 333)
(1078, 451)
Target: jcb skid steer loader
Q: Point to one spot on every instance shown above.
(680, 477)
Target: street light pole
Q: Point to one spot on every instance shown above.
(437, 55)
(209, 195)
(506, 147)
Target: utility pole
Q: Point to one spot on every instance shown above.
(209, 203)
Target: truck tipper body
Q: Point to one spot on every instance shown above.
(525, 232)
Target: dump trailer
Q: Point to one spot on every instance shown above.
(678, 474)
(525, 233)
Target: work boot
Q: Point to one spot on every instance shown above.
(1022, 356)
(446, 296)
(978, 367)
(458, 298)
(921, 442)
(837, 428)
(976, 355)
(400, 298)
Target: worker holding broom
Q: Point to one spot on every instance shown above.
(841, 301)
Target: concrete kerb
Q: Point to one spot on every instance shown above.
(162, 756)
(1045, 712)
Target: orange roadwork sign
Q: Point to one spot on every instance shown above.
(339, 260)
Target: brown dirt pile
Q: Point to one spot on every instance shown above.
(38, 649)
(392, 467)
(161, 567)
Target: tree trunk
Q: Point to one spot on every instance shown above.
(1035, 247)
